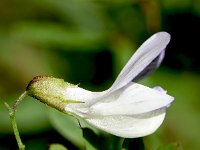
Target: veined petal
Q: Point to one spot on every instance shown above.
(151, 67)
(146, 59)
(146, 53)
(130, 100)
(129, 126)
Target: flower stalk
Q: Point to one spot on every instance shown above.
(12, 115)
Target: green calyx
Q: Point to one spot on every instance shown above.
(51, 91)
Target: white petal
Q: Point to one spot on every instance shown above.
(146, 53)
(132, 99)
(142, 58)
(83, 98)
(129, 126)
(151, 67)
(78, 94)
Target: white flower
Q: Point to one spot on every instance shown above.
(126, 109)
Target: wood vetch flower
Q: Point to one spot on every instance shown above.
(127, 109)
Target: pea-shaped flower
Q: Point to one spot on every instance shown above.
(126, 109)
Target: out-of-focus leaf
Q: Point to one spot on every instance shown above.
(92, 141)
(176, 6)
(78, 13)
(19, 62)
(55, 35)
(122, 49)
(116, 1)
(28, 112)
(101, 140)
(68, 127)
(152, 142)
(57, 147)
(170, 147)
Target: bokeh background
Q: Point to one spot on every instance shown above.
(87, 43)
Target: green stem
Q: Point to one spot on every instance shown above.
(12, 111)
(19, 100)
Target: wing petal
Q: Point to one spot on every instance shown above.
(131, 100)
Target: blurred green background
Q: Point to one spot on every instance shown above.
(87, 42)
